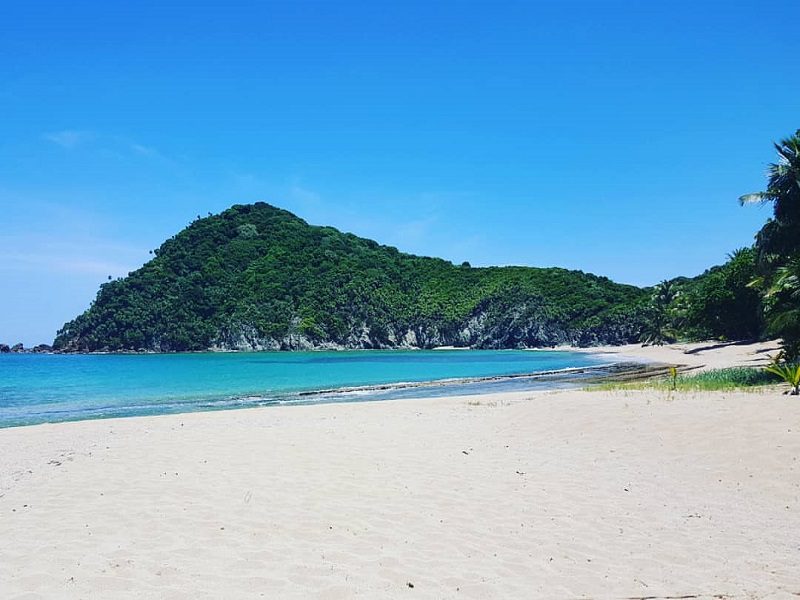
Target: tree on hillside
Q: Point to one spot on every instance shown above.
(721, 304)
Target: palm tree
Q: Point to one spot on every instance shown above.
(787, 282)
(780, 236)
(658, 330)
(782, 307)
(778, 245)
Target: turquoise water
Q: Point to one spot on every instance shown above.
(39, 388)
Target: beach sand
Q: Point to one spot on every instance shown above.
(699, 356)
(569, 494)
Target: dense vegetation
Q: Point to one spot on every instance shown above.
(778, 246)
(721, 304)
(257, 277)
(756, 293)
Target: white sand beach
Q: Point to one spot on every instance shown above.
(569, 494)
(700, 356)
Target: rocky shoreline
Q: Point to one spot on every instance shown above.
(21, 349)
(480, 332)
(618, 371)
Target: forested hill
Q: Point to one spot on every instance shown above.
(257, 277)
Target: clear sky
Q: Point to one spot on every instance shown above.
(612, 137)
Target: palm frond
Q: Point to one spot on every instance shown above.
(779, 321)
(789, 373)
(757, 198)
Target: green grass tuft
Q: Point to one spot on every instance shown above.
(705, 381)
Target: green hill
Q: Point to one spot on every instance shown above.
(258, 277)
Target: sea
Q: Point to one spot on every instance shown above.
(47, 388)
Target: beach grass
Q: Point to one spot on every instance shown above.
(733, 378)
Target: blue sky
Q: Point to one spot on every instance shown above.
(612, 137)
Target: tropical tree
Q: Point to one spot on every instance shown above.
(782, 307)
(659, 329)
(780, 236)
(778, 245)
(722, 303)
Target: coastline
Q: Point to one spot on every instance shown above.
(574, 493)
(702, 356)
(79, 387)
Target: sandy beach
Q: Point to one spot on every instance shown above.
(699, 356)
(568, 494)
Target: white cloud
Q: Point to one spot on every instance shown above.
(144, 150)
(415, 231)
(304, 195)
(58, 263)
(120, 145)
(69, 138)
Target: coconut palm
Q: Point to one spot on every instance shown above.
(782, 306)
(787, 282)
(778, 245)
(659, 329)
(781, 235)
